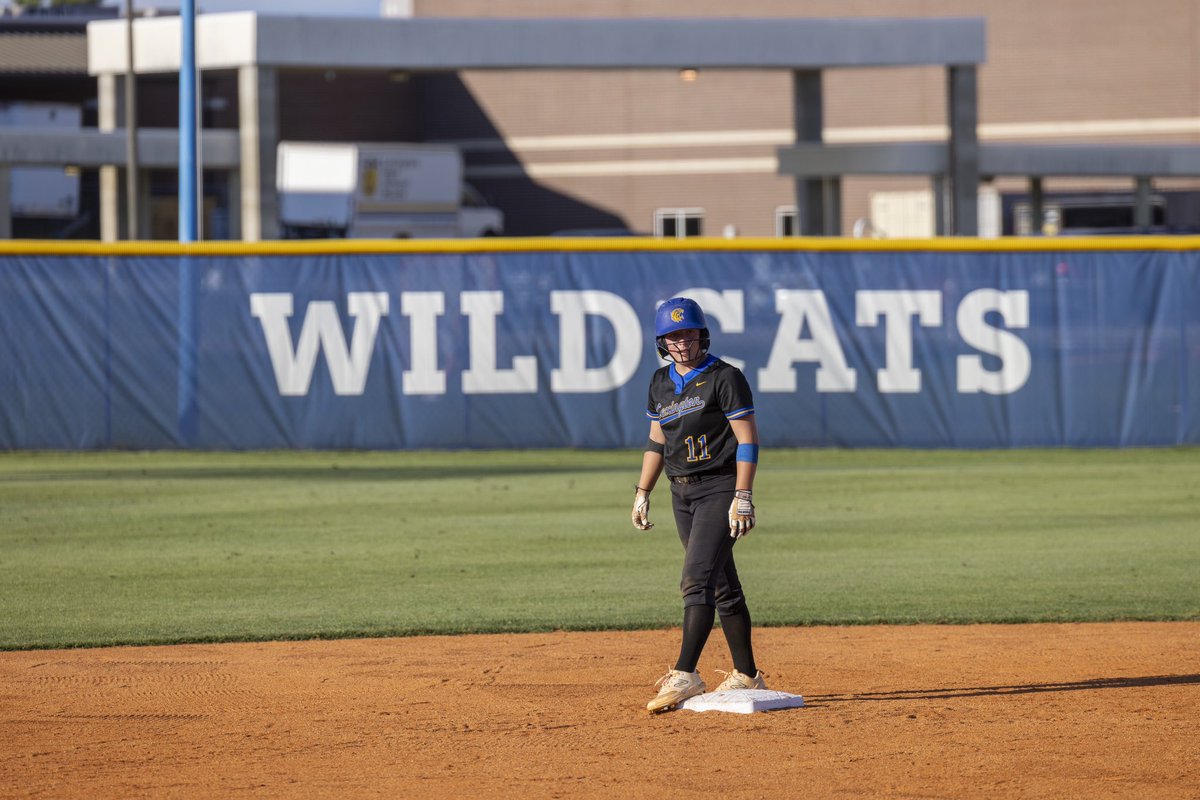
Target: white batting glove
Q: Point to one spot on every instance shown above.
(741, 514)
(641, 512)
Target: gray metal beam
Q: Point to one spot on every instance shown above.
(963, 114)
(808, 114)
(5, 202)
(246, 39)
(234, 203)
(1141, 203)
(1037, 204)
(132, 169)
(145, 213)
(940, 212)
(835, 160)
(1034, 161)
(1090, 160)
(831, 204)
(90, 147)
(621, 43)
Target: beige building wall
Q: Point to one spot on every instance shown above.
(630, 142)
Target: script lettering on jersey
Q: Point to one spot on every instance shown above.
(673, 411)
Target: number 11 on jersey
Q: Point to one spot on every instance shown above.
(697, 448)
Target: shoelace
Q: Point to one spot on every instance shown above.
(725, 675)
(664, 678)
(664, 681)
(741, 684)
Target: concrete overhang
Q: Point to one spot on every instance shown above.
(225, 41)
(89, 147)
(933, 158)
(1089, 160)
(835, 160)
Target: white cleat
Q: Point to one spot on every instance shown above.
(736, 680)
(677, 686)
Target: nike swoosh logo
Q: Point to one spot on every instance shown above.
(701, 383)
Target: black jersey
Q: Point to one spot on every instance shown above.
(694, 411)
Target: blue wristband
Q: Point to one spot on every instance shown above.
(747, 452)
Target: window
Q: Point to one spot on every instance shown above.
(471, 198)
(785, 220)
(1099, 213)
(678, 223)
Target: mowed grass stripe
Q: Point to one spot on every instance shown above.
(131, 548)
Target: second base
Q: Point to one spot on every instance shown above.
(743, 701)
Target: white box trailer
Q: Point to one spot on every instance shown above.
(42, 191)
(378, 191)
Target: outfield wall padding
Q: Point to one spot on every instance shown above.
(471, 348)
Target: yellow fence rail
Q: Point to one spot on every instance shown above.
(616, 244)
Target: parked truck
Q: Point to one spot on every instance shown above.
(378, 191)
(42, 192)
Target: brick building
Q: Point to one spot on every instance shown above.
(639, 143)
(687, 151)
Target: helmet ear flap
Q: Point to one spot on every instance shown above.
(660, 345)
(705, 341)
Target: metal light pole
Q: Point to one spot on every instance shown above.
(188, 182)
(188, 179)
(131, 144)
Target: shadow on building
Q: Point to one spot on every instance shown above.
(447, 111)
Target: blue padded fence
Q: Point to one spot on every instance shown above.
(542, 348)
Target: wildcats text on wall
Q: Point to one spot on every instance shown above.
(550, 349)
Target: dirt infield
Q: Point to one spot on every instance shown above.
(929, 711)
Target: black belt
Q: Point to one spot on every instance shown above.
(696, 478)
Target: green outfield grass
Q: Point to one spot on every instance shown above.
(170, 547)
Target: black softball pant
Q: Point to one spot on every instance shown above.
(702, 517)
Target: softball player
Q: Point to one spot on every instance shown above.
(702, 430)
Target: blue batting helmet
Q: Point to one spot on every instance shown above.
(680, 314)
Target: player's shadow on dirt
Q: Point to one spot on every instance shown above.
(994, 691)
